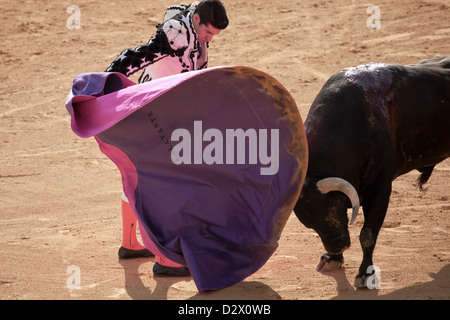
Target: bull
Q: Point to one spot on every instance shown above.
(367, 126)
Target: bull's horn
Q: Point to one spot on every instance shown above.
(337, 184)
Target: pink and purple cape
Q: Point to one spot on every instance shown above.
(207, 205)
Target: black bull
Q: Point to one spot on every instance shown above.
(367, 126)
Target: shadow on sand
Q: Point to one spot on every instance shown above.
(136, 289)
(438, 288)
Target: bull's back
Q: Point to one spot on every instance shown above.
(419, 108)
(414, 103)
(382, 108)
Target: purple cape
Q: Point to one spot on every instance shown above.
(212, 162)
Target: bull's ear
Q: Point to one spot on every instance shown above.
(338, 184)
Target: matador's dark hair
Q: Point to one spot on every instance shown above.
(212, 12)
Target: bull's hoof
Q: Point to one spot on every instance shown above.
(369, 281)
(360, 282)
(330, 262)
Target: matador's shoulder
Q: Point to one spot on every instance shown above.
(176, 32)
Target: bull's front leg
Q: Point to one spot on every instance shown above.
(374, 209)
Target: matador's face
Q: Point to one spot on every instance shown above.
(205, 32)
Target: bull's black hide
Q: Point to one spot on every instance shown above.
(367, 126)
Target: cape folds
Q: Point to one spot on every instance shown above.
(222, 219)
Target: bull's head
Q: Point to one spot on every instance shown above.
(325, 211)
